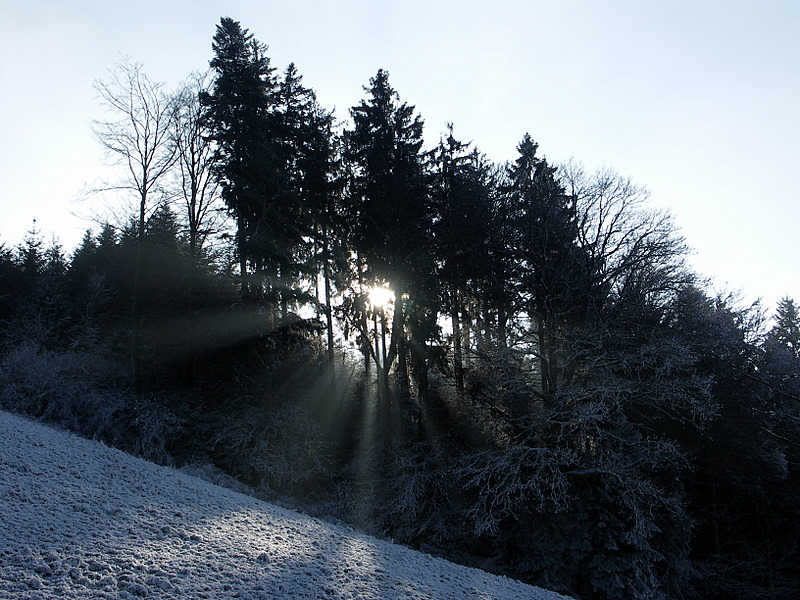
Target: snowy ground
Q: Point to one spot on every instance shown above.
(81, 520)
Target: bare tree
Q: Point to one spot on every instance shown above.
(633, 250)
(138, 137)
(198, 188)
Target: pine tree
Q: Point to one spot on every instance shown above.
(390, 213)
(240, 114)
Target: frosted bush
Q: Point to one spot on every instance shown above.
(84, 392)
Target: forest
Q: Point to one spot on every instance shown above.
(508, 365)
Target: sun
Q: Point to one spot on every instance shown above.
(380, 297)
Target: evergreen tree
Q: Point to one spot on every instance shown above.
(547, 248)
(31, 259)
(784, 337)
(9, 285)
(316, 180)
(241, 116)
(390, 215)
(461, 189)
(38, 313)
(89, 294)
(306, 167)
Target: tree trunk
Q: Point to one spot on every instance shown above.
(466, 337)
(502, 323)
(479, 339)
(383, 336)
(193, 270)
(399, 337)
(136, 331)
(240, 243)
(283, 285)
(458, 364)
(326, 270)
(377, 341)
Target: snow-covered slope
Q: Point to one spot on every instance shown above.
(81, 520)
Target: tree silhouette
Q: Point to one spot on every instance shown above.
(138, 136)
(389, 210)
(240, 115)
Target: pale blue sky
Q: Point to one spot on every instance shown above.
(698, 101)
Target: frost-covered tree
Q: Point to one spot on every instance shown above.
(579, 482)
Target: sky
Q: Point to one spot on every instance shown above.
(695, 100)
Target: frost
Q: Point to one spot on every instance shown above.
(98, 523)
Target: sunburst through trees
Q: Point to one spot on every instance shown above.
(507, 364)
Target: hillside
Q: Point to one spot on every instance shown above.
(82, 520)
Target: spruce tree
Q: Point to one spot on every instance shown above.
(546, 246)
(390, 213)
(785, 334)
(461, 193)
(240, 114)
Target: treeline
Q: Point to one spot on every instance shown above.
(507, 365)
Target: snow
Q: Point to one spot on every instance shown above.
(81, 520)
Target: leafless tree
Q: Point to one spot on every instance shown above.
(634, 249)
(137, 134)
(194, 184)
(197, 187)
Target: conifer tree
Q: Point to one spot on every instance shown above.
(461, 190)
(240, 114)
(315, 178)
(303, 130)
(546, 246)
(785, 334)
(389, 211)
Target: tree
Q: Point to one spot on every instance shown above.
(197, 184)
(138, 135)
(198, 187)
(306, 157)
(461, 193)
(547, 248)
(32, 292)
(390, 213)
(578, 474)
(88, 293)
(31, 259)
(784, 337)
(240, 114)
(314, 184)
(9, 284)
